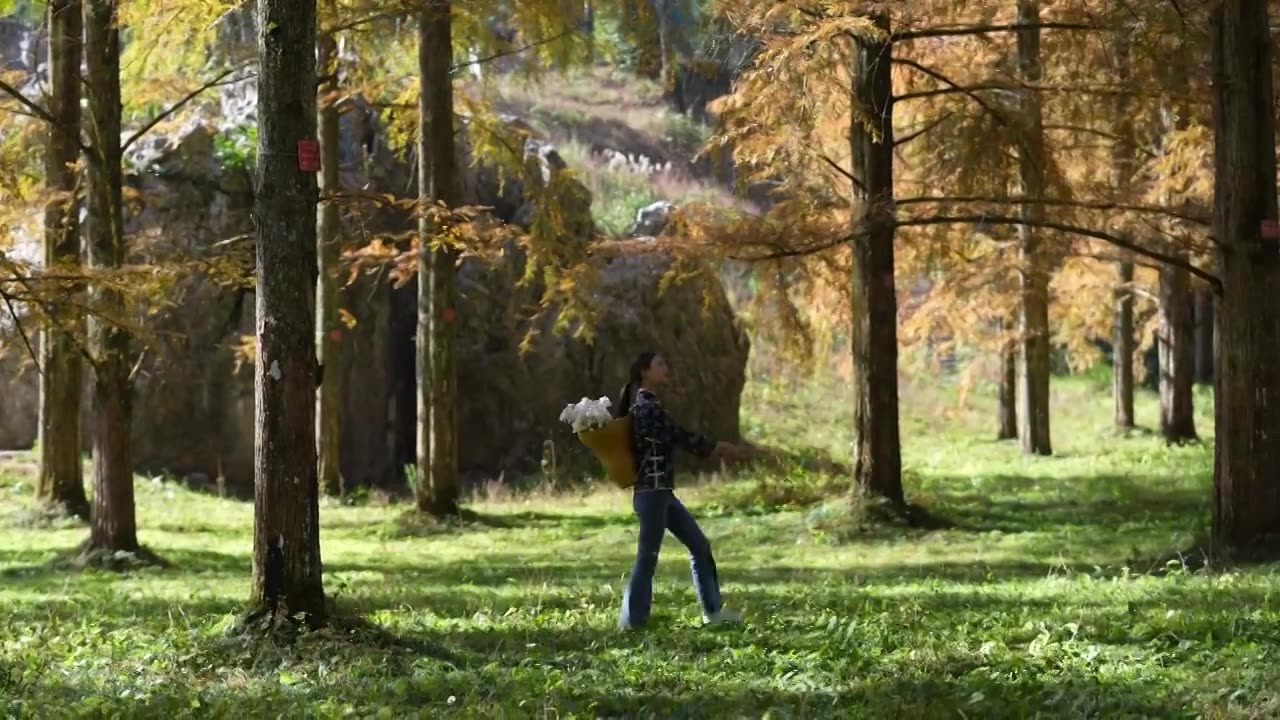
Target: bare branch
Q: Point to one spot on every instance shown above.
(516, 51)
(961, 30)
(1101, 90)
(801, 251)
(17, 323)
(922, 131)
(836, 166)
(862, 231)
(1061, 202)
(1167, 259)
(358, 22)
(217, 81)
(27, 103)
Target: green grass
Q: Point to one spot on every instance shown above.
(1040, 600)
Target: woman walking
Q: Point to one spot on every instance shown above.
(655, 440)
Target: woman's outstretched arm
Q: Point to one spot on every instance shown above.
(655, 423)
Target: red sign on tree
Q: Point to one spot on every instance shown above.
(1270, 230)
(309, 155)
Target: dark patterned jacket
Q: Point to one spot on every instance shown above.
(654, 442)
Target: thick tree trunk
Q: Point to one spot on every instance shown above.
(878, 467)
(1008, 398)
(286, 540)
(61, 478)
(1176, 352)
(112, 524)
(1204, 304)
(437, 184)
(329, 328)
(1034, 360)
(1122, 349)
(1246, 513)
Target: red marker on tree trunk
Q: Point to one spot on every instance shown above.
(309, 155)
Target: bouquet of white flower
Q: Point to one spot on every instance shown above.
(609, 438)
(587, 414)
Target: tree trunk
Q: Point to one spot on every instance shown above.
(1008, 406)
(1204, 302)
(1123, 348)
(61, 479)
(286, 540)
(644, 28)
(329, 329)
(1122, 164)
(1033, 361)
(878, 468)
(1246, 513)
(1176, 353)
(112, 524)
(437, 185)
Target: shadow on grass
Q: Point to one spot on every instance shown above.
(411, 523)
(1104, 501)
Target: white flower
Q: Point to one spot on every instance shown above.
(587, 414)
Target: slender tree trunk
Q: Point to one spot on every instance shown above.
(1176, 353)
(1204, 303)
(1123, 348)
(1034, 360)
(1175, 338)
(1122, 164)
(645, 29)
(1246, 513)
(878, 468)
(286, 540)
(61, 479)
(1008, 403)
(437, 183)
(112, 524)
(329, 329)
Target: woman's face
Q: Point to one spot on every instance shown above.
(657, 374)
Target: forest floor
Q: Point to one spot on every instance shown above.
(1052, 594)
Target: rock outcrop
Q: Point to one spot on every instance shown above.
(194, 404)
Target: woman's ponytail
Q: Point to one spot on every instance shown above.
(623, 406)
(628, 393)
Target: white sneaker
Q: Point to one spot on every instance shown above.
(723, 616)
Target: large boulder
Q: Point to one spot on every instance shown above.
(194, 413)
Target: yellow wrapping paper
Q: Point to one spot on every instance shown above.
(611, 445)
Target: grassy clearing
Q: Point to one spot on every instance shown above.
(1039, 602)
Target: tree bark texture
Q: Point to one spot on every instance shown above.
(61, 478)
(1204, 304)
(1008, 396)
(1176, 351)
(112, 523)
(1175, 338)
(1246, 513)
(1122, 168)
(329, 328)
(437, 185)
(286, 542)
(1034, 359)
(878, 465)
(1122, 348)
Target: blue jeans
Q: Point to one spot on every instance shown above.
(660, 511)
